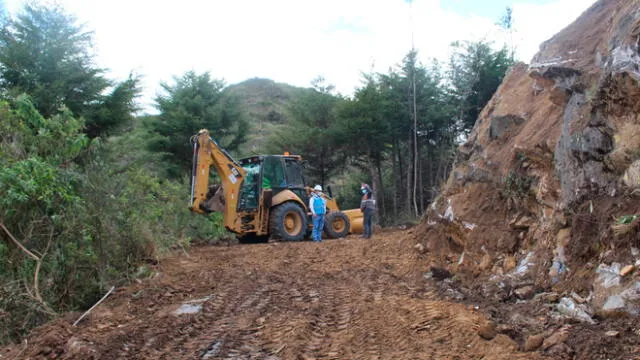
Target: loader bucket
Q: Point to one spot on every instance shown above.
(355, 219)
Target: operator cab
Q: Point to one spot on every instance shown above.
(270, 172)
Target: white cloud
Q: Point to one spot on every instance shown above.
(290, 41)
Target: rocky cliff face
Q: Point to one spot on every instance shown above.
(549, 175)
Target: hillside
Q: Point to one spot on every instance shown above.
(265, 103)
(546, 198)
(531, 250)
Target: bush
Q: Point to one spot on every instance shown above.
(86, 215)
(517, 186)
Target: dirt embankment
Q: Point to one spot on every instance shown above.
(545, 198)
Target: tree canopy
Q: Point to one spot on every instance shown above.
(193, 102)
(46, 54)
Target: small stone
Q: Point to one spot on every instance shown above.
(547, 297)
(454, 294)
(487, 330)
(579, 299)
(627, 270)
(533, 342)
(614, 303)
(523, 223)
(525, 292)
(612, 333)
(556, 338)
(485, 263)
(420, 248)
(560, 219)
(509, 263)
(563, 237)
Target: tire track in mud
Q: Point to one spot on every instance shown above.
(337, 300)
(233, 336)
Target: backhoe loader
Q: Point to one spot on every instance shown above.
(261, 196)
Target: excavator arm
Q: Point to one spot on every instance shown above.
(206, 153)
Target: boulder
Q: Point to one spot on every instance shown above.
(487, 330)
(533, 342)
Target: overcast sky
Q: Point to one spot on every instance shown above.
(294, 41)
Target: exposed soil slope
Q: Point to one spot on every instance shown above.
(552, 167)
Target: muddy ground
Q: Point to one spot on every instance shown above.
(340, 299)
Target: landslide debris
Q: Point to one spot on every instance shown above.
(545, 199)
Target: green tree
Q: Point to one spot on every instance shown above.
(78, 216)
(192, 103)
(46, 54)
(476, 71)
(506, 24)
(311, 132)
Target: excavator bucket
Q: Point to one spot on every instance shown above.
(355, 219)
(214, 201)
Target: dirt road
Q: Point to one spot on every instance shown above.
(340, 299)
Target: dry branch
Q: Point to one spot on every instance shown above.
(19, 244)
(38, 259)
(96, 304)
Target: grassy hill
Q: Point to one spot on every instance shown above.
(265, 103)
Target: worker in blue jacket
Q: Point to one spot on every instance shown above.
(318, 206)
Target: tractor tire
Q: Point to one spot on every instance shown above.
(337, 225)
(288, 222)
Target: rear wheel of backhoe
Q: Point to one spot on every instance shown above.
(288, 222)
(337, 225)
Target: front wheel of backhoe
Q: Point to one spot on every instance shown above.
(288, 222)
(337, 225)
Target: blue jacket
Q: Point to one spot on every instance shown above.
(318, 205)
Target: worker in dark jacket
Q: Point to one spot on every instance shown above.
(368, 207)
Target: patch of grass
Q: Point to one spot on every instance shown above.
(517, 186)
(626, 219)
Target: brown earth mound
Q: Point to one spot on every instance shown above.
(545, 199)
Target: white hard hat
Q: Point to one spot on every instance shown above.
(317, 188)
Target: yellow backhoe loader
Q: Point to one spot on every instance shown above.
(261, 196)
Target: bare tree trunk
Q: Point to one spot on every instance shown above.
(433, 174)
(421, 189)
(394, 180)
(409, 172)
(401, 172)
(378, 193)
(416, 156)
(381, 192)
